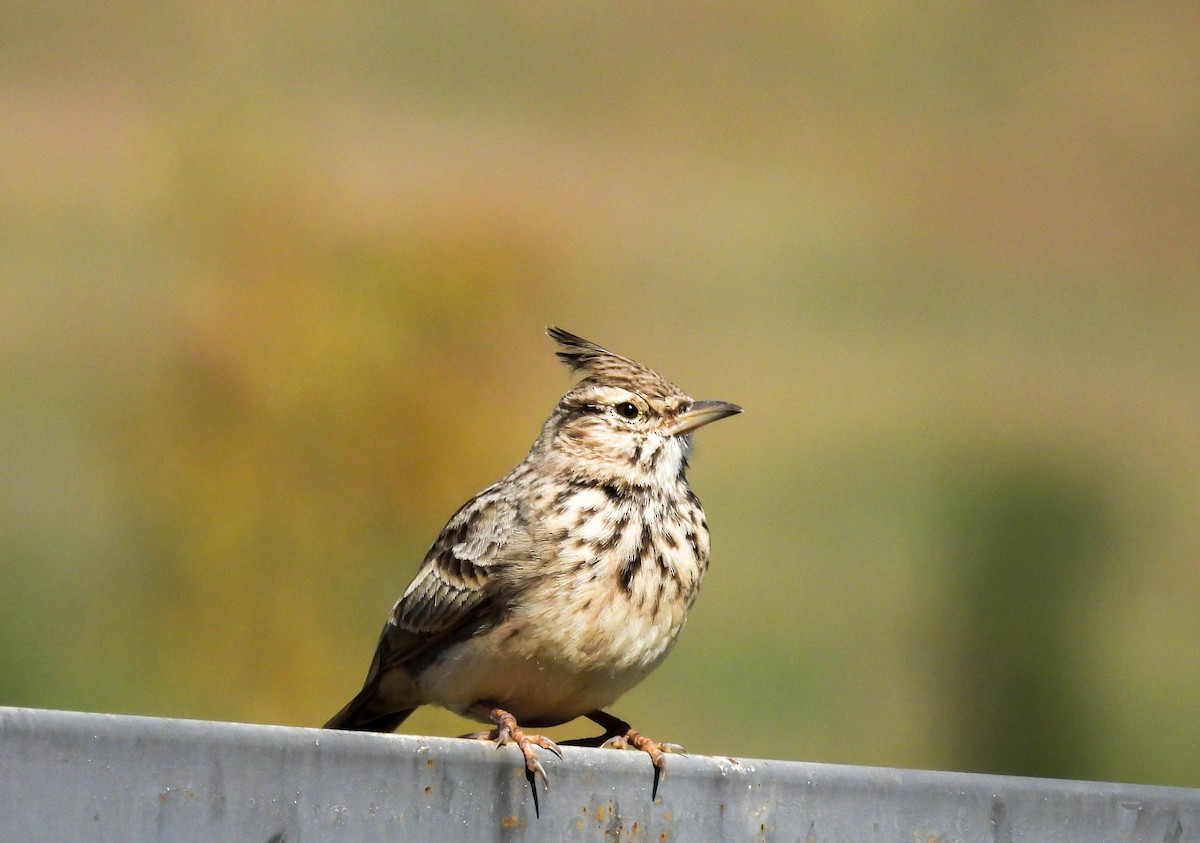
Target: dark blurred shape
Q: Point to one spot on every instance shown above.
(1029, 535)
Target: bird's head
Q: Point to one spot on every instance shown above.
(622, 422)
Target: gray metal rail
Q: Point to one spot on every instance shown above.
(68, 777)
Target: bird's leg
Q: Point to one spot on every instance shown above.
(507, 731)
(619, 735)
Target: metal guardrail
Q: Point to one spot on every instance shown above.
(69, 777)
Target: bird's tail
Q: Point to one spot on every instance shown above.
(360, 715)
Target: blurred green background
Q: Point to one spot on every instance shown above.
(274, 284)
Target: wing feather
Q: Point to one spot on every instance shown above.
(455, 588)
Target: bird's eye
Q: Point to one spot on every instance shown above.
(627, 410)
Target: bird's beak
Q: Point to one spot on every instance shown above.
(700, 414)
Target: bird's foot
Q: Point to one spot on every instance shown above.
(508, 731)
(619, 735)
(657, 750)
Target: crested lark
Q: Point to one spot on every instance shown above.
(554, 591)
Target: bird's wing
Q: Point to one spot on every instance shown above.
(458, 592)
(455, 590)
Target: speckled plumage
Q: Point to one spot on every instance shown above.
(560, 587)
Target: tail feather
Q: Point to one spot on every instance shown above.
(359, 715)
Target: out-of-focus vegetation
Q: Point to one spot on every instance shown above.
(274, 280)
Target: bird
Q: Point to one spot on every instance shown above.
(560, 587)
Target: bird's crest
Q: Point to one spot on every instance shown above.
(600, 365)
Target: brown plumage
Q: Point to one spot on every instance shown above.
(555, 590)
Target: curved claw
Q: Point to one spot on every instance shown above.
(536, 769)
(526, 743)
(657, 753)
(616, 742)
(546, 743)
